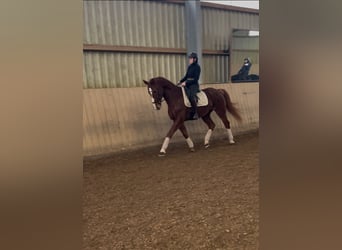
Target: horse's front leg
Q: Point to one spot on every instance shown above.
(184, 131)
(176, 124)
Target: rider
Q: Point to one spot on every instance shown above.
(190, 83)
(243, 72)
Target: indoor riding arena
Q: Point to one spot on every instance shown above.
(132, 198)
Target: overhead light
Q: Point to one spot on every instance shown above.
(253, 33)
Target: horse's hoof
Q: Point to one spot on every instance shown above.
(231, 142)
(161, 154)
(206, 145)
(192, 150)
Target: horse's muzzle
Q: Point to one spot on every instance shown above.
(156, 104)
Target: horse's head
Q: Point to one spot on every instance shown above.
(156, 91)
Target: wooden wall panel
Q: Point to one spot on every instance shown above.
(117, 119)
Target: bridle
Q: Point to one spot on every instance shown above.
(158, 99)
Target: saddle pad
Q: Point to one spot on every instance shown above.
(202, 99)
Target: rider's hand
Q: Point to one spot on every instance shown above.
(183, 84)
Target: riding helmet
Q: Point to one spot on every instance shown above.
(193, 55)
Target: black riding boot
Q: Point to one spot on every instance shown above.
(193, 112)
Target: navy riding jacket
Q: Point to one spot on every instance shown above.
(192, 74)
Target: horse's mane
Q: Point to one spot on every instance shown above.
(162, 80)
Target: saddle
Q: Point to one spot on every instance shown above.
(201, 97)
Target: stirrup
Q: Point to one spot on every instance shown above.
(194, 117)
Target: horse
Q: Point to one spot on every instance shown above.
(160, 89)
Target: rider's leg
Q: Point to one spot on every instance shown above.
(193, 112)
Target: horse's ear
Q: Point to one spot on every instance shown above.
(146, 82)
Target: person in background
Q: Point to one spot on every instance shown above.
(244, 71)
(191, 85)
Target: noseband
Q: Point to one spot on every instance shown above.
(158, 99)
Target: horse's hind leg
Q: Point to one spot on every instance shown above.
(184, 131)
(223, 117)
(211, 125)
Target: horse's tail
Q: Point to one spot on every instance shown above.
(230, 106)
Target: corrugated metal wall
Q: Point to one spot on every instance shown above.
(134, 23)
(217, 29)
(152, 24)
(245, 43)
(242, 47)
(110, 70)
(214, 69)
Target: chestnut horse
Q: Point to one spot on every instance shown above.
(218, 100)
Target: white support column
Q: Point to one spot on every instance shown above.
(193, 28)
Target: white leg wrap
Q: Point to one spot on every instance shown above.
(207, 136)
(165, 145)
(230, 136)
(189, 142)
